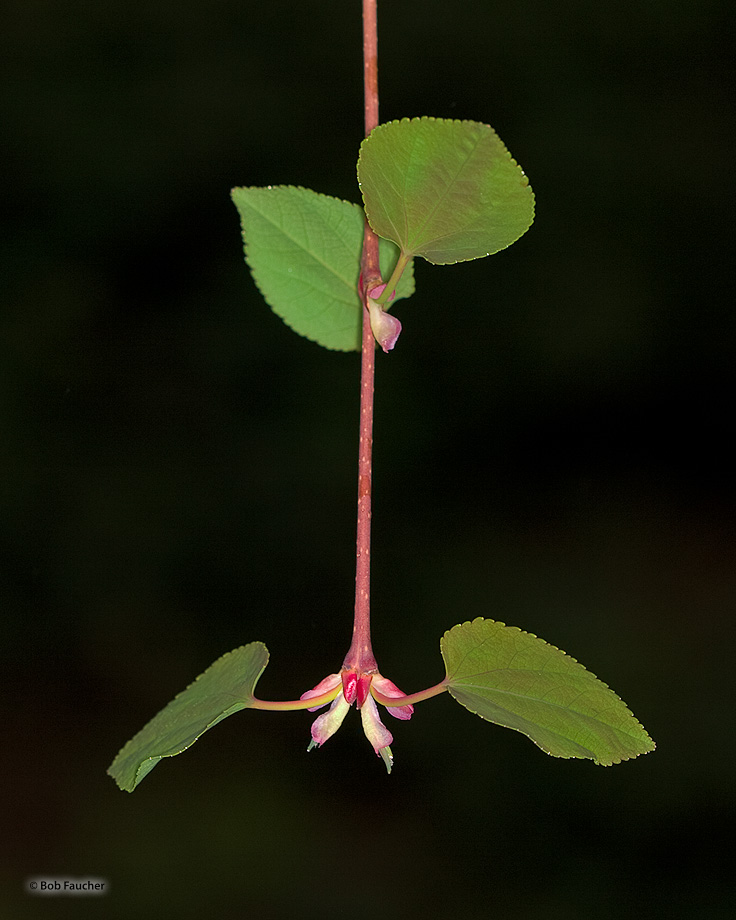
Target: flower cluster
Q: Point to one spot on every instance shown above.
(350, 687)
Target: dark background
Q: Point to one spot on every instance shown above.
(177, 468)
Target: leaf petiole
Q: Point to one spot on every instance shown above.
(393, 281)
(312, 702)
(411, 698)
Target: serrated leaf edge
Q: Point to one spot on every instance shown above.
(158, 757)
(299, 188)
(457, 121)
(582, 667)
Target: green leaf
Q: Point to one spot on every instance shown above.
(513, 678)
(304, 251)
(445, 190)
(224, 688)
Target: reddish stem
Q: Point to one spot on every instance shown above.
(360, 655)
(370, 64)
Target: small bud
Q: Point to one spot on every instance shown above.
(386, 328)
(364, 686)
(350, 686)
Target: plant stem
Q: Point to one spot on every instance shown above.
(370, 269)
(370, 64)
(360, 654)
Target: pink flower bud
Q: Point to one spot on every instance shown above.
(386, 328)
(350, 686)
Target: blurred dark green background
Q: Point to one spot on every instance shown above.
(178, 468)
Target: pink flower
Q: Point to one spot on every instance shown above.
(353, 687)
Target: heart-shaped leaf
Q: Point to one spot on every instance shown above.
(445, 190)
(304, 251)
(224, 688)
(513, 678)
